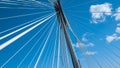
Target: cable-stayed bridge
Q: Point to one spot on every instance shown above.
(47, 40)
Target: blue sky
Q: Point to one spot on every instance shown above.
(96, 23)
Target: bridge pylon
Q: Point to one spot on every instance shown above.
(64, 25)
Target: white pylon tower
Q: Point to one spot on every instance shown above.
(64, 25)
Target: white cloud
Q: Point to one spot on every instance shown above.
(115, 36)
(84, 39)
(100, 11)
(90, 44)
(112, 38)
(118, 24)
(118, 29)
(78, 45)
(90, 53)
(117, 14)
(87, 43)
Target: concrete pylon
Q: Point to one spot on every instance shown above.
(64, 25)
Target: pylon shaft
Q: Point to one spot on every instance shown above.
(64, 25)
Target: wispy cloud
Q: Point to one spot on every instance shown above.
(118, 28)
(88, 53)
(112, 38)
(85, 43)
(76, 45)
(90, 44)
(117, 14)
(85, 40)
(118, 24)
(100, 11)
(84, 37)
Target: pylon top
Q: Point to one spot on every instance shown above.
(61, 17)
